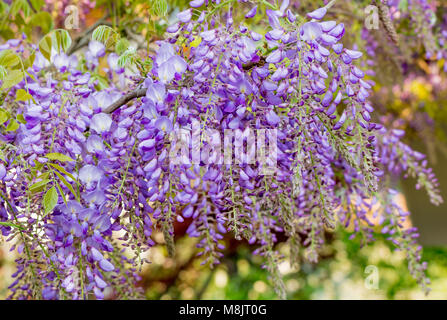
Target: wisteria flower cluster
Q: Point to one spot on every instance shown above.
(87, 175)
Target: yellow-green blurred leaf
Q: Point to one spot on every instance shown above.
(50, 200)
(12, 78)
(58, 156)
(23, 95)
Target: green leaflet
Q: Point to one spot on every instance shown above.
(4, 116)
(23, 95)
(12, 126)
(50, 200)
(9, 224)
(58, 156)
(12, 78)
(67, 184)
(38, 185)
(58, 39)
(105, 35)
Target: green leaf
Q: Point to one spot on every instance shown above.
(20, 118)
(4, 116)
(37, 4)
(23, 95)
(2, 72)
(9, 224)
(29, 62)
(106, 35)
(9, 58)
(58, 39)
(15, 7)
(38, 185)
(12, 78)
(159, 7)
(60, 191)
(3, 7)
(43, 20)
(58, 167)
(122, 45)
(43, 176)
(45, 45)
(62, 39)
(12, 126)
(66, 183)
(128, 57)
(50, 200)
(58, 156)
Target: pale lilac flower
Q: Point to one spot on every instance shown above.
(101, 123)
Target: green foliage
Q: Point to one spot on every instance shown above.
(2, 72)
(23, 16)
(58, 39)
(122, 45)
(158, 7)
(4, 116)
(59, 157)
(50, 200)
(43, 20)
(38, 186)
(106, 35)
(127, 57)
(23, 95)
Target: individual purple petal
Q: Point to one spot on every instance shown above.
(100, 282)
(173, 28)
(2, 171)
(317, 14)
(272, 118)
(327, 99)
(328, 40)
(310, 31)
(327, 26)
(106, 265)
(90, 175)
(273, 19)
(398, 132)
(353, 54)
(196, 3)
(340, 122)
(164, 53)
(185, 16)
(179, 64)
(101, 123)
(291, 16)
(156, 93)
(338, 31)
(166, 72)
(284, 5)
(274, 57)
(252, 12)
(338, 48)
(95, 144)
(164, 124)
(96, 255)
(96, 48)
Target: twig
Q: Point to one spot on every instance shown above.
(386, 20)
(138, 93)
(84, 38)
